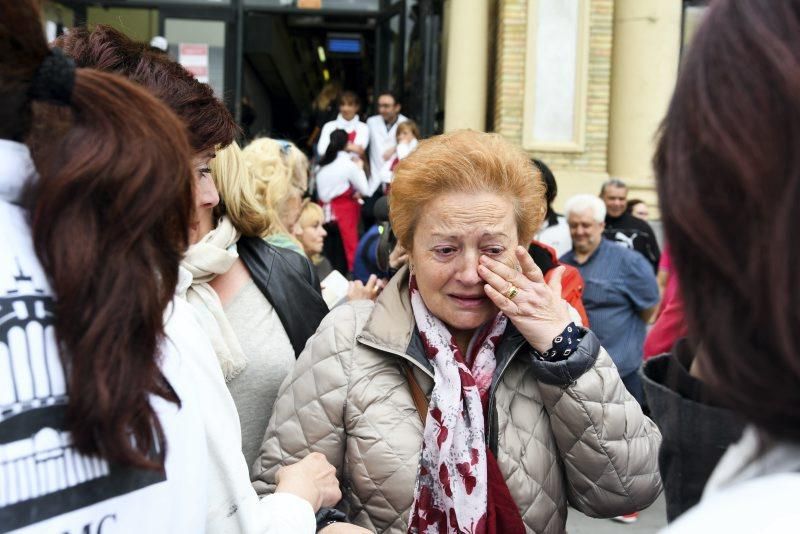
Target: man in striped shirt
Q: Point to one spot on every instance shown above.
(621, 293)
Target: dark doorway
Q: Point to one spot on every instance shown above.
(289, 57)
(268, 59)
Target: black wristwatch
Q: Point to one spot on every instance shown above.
(328, 516)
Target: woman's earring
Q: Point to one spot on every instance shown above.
(411, 268)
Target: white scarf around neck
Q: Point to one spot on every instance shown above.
(213, 255)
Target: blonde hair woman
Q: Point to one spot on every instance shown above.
(327, 96)
(298, 162)
(259, 304)
(323, 109)
(311, 234)
(239, 194)
(464, 399)
(280, 171)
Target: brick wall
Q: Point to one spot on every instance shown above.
(509, 89)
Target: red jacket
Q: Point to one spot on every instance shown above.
(572, 281)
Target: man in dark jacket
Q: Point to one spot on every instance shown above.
(624, 228)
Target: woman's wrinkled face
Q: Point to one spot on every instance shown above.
(206, 197)
(454, 231)
(312, 237)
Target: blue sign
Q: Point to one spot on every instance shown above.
(344, 45)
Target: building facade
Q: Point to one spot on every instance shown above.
(580, 84)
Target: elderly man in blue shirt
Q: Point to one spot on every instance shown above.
(621, 293)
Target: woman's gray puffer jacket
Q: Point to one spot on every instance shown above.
(562, 432)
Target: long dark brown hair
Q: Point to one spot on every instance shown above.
(728, 169)
(109, 214)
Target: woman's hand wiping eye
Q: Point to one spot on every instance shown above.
(534, 306)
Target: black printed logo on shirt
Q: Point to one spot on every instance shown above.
(41, 475)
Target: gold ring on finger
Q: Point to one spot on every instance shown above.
(511, 292)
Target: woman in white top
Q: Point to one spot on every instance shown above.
(341, 182)
(97, 415)
(349, 121)
(100, 417)
(238, 301)
(554, 231)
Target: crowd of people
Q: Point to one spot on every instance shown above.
(355, 164)
(399, 334)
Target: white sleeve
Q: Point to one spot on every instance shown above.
(371, 128)
(288, 514)
(386, 173)
(233, 505)
(362, 135)
(358, 178)
(324, 138)
(373, 183)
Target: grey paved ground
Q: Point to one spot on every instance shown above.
(650, 520)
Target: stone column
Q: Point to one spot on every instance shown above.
(467, 61)
(645, 58)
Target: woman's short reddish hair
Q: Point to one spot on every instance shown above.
(465, 161)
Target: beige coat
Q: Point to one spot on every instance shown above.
(566, 431)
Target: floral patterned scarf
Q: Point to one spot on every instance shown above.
(451, 489)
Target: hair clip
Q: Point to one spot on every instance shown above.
(285, 146)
